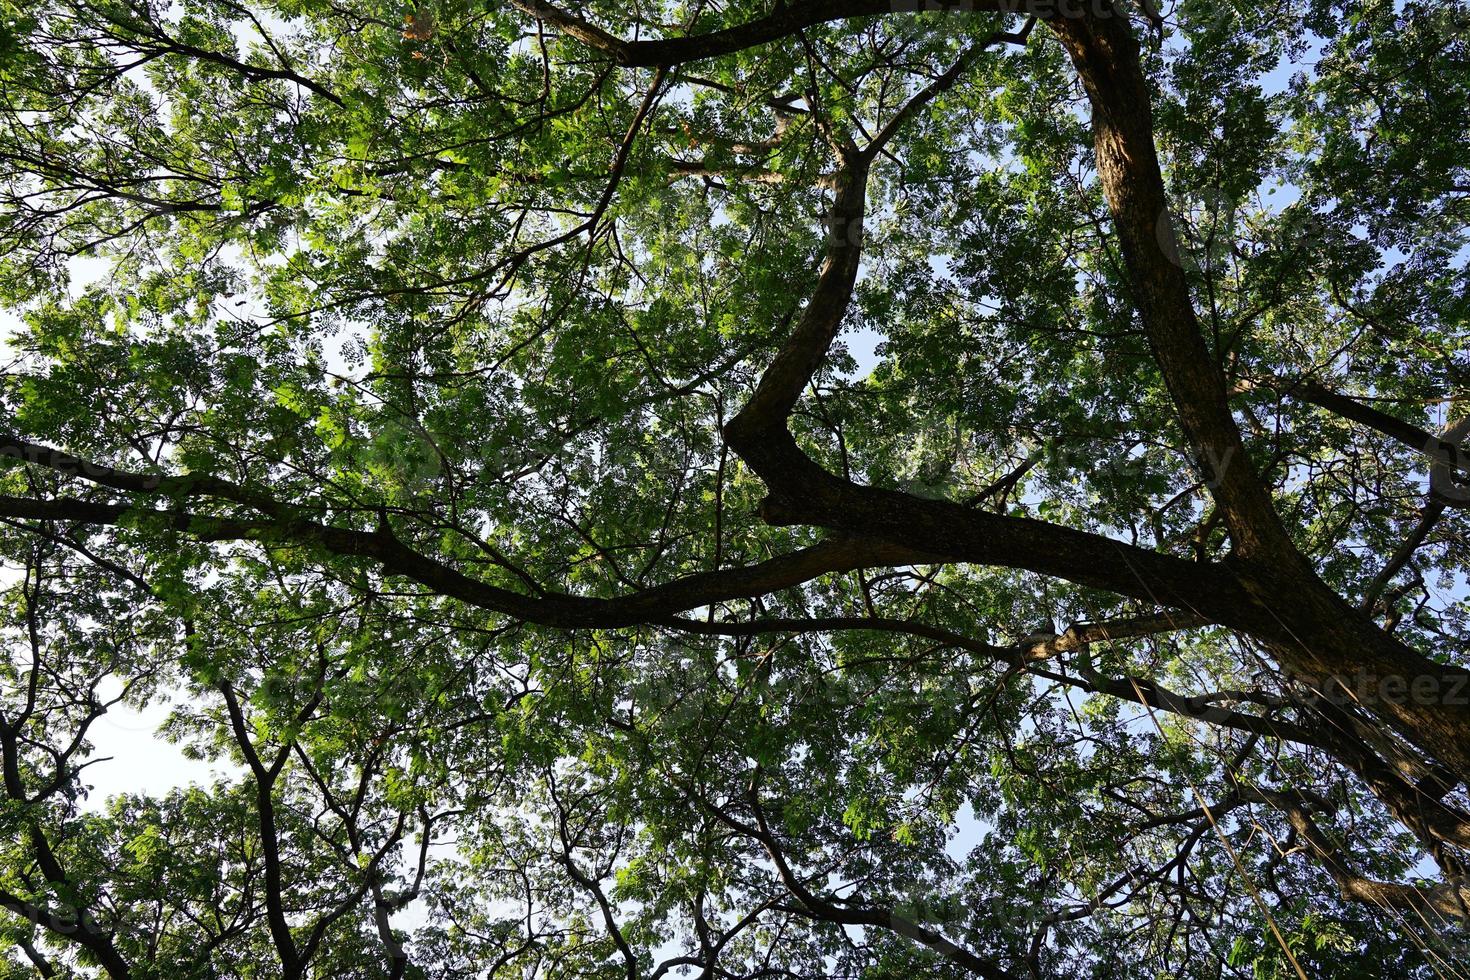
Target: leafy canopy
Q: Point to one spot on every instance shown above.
(737, 490)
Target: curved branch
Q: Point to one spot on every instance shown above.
(1451, 900)
(1326, 635)
(855, 913)
(291, 526)
(787, 19)
(1445, 452)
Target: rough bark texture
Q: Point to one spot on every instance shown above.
(1326, 637)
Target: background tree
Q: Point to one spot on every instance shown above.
(738, 490)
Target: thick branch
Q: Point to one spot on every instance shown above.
(551, 609)
(1444, 452)
(786, 20)
(1450, 901)
(1326, 635)
(1106, 56)
(67, 925)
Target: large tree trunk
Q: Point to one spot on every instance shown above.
(1330, 644)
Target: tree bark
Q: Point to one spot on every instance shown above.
(1336, 648)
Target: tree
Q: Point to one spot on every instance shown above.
(462, 415)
